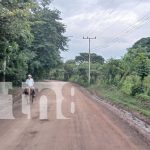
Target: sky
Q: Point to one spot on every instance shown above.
(116, 24)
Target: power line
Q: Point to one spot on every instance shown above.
(107, 4)
(137, 4)
(144, 20)
(114, 10)
(117, 39)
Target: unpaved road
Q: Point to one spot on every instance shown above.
(91, 127)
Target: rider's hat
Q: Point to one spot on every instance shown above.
(29, 75)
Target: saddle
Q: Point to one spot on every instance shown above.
(26, 91)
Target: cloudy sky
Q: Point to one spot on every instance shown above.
(117, 24)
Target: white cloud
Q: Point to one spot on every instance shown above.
(114, 22)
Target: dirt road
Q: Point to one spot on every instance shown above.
(90, 127)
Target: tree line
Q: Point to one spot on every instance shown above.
(130, 74)
(31, 39)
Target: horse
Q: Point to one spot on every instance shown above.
(30, 93)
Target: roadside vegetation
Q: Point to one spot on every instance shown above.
(125, 81)
(137, 104)
(31, 39)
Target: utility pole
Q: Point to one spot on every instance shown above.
(89, 38)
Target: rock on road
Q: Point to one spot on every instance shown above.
(90, 127)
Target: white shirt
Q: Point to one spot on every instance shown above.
(30, 82)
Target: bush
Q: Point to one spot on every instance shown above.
(131, 85)
(143, 97)
(136, 89)
(74, 78)
(147, 85)
(144, 100)
(79, 79)
(148, 92)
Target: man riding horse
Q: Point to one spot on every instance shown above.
(30, 86)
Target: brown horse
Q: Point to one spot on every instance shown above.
(29, 92)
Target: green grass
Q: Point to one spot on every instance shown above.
(119, 98)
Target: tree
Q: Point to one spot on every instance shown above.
(15, 38)
(48, 40)
(84, 58)
(143, 43)
(31, 39)
(69, 68)
(111, 69)
(142, 65)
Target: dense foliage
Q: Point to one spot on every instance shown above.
(77, 70)
(31, 38)
(131, 74)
